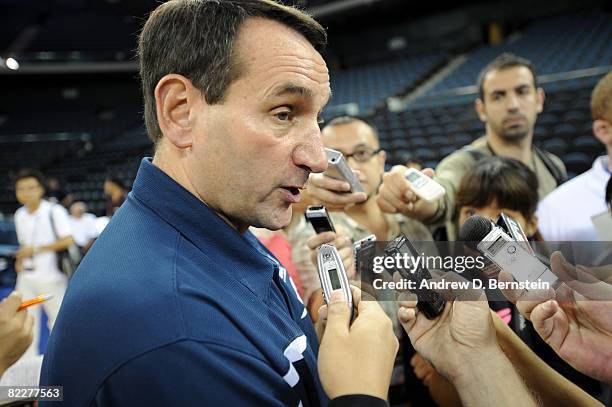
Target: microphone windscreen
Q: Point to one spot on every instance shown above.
(474, 230)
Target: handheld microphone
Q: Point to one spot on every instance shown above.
(509, 255)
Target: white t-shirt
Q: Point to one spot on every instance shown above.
(84, 228)
(565, 214)
(34, 229)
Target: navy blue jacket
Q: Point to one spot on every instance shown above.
(172, 306)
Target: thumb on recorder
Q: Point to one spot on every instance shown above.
(357, 358)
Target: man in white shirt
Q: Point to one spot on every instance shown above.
(571, 212)
(84, 226)
(43, 229)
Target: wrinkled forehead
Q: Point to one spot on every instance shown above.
(270, 54)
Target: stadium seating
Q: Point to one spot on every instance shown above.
(82, 142)
(558, 44)
(370, 86)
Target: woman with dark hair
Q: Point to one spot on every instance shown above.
(497, 185)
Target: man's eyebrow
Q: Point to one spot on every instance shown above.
(520, 85)
(291, 89)
(363, 145)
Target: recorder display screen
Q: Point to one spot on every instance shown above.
(335, 280)
(412, 177)
(499, 243)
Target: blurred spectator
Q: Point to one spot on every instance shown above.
(84, 227)
(569, 213)
(43, 230)
(509, 103)
(56, 194)
(116, 194)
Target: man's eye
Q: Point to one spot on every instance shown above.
(320, 120)
(283, 116)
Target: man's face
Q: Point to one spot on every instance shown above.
(29, 191)
(511, 103)
(76, 211)
(358, 139)
(253, 151)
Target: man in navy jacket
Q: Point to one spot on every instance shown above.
(177, 303)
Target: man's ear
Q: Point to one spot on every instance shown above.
(480, 110)
(602, 129)
(174, 101)
(541, 97)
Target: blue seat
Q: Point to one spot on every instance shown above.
(565, 130)
(557, 146)
(419, 142)
(588, 145)
(425, 154)
(577, 163)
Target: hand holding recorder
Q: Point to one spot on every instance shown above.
(410, 192)
(356, 358)
(430, 302)
(573, 316)
(577, 325)
(337, 187)
(461, 343)
(326, 234)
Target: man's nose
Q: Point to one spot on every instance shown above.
(310, 153)
(512, 102)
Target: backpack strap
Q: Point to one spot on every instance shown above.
(553, 168)
(474, 152)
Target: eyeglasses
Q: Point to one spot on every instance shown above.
(363, 154)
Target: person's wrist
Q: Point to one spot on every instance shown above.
(481, 362)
